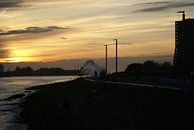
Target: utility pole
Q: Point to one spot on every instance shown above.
(116, 55)
(106, 46)
(106, 55)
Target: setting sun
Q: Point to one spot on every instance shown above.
(14, 60)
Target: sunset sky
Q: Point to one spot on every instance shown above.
(51, 30)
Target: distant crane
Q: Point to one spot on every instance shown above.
(183, 14)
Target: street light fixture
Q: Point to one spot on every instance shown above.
(116, 40)
(106, 54)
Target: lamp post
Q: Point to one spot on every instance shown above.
(106, 55)
(106, 50)
(116, 40)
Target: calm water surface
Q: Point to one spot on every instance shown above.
(16, 85)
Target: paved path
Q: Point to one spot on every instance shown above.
(139, 85)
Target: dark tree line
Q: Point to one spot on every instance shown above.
(149, 67)
(28, 71)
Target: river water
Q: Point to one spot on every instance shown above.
(16, 85)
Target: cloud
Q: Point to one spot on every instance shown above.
(32, 30)
(27, 3)
(10, 3)
(64, 38)
(161, 6)
(156, 3)
(3, 11)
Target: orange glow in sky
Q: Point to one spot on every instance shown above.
(51, 30)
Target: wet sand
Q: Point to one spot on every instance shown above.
(85, 105)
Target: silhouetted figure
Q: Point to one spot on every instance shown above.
(95, 74)
(103, 74)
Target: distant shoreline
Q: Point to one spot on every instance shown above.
(81, 104)
(34, 75)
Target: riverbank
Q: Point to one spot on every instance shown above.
(85, 105)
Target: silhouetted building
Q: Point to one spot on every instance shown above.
(184, 46)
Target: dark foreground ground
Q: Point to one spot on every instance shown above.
(85, 105)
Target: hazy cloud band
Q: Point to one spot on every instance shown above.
(32, 30)
(161, 6)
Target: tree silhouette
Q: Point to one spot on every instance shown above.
(149, 67)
